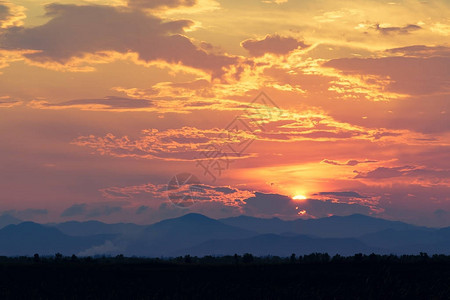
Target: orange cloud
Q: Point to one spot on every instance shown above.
(410, 174)
(7, 102)
(11, 15)
(184, 144)
(199, 193)
(7, 57)
(421, 51)
(406, 75)
(157, 104)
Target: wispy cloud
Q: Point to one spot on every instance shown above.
(11, 15)
(387, 30)
(351, 162)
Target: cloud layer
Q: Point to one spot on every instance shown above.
(73, 32)
(103, 103)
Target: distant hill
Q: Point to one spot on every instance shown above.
(273, 225)
(332, 227)
(179, 233)
(411, 241)
(197, 234)
(28, 238)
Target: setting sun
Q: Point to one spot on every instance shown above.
(299, 197)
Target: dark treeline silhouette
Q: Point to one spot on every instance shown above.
(313, 276)
(233, 259)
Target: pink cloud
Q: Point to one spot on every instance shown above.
(407, 75)
(421, 51)
(160, 3)
(351, 162)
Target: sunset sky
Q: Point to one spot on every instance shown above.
(103, 102)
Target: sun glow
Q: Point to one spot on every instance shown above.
(299, 197)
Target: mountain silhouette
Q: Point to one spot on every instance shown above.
(28, 238)
(331, 227)
(272, 225)
(163, 237)
(411, 241)
(197, 234)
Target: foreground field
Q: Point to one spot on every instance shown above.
(310, 277)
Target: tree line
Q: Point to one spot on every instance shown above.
(312, 276)
(247, 258)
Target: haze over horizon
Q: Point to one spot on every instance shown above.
(288, 109)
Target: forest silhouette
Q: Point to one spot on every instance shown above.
(313, 276)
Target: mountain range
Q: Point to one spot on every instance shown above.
(199, 235)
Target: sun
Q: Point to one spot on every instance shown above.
(299, 197)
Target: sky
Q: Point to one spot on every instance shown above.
(142, 110)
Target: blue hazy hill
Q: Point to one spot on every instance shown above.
(197, 234)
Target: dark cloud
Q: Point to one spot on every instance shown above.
(142, 209)
(7, 101)
(267, 205)
(423, 174)
(441, 213)
(160, 3)
(104, 210)
(90, 211)
(75, 210)
(341, 194)
(352, 162)
(396, 30)
(221, 189)
(383, 172)
(107, 103)
(28, 213)
(319, 208)
(4, 12)
(421, 51)
(407, 75)
(74, 31)
(272, 44)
